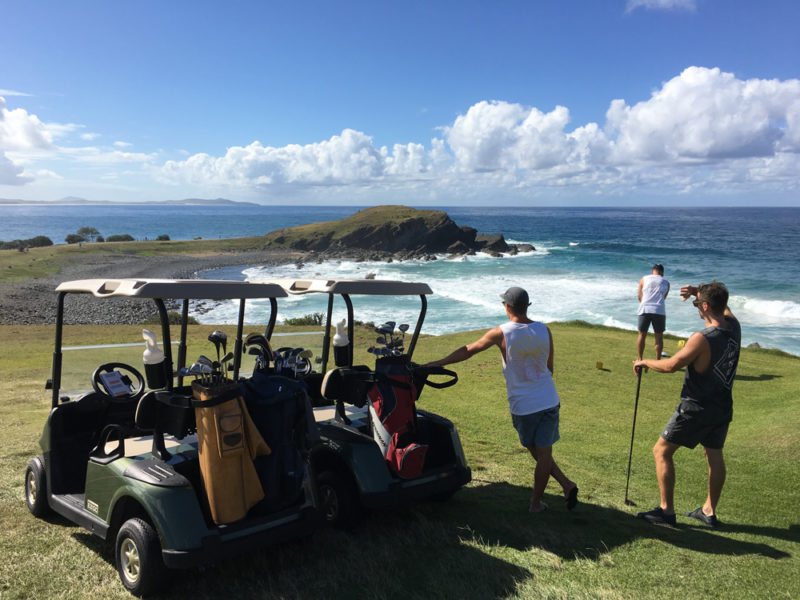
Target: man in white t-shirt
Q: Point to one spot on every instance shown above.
(526, 348)
(653, 290)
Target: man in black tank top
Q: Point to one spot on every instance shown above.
(706, 407)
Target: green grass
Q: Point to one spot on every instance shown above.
(40, 262)
(482, 543)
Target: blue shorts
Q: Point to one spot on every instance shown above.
(537, 429)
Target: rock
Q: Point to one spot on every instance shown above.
(495, 242)
(754, 345)
(458, 247)
(524, 247)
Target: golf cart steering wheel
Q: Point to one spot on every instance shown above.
(136, 388)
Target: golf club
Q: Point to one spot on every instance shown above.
(628, 501)
(218, 338)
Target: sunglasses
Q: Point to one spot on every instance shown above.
(697, 302)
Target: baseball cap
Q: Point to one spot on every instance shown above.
(515, 297)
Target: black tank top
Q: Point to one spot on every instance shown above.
(712, 389)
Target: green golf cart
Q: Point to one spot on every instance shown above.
(169, 468)
(377, 449)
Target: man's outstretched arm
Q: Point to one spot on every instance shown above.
(493, 337)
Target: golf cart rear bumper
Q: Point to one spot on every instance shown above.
(405, 490)
(219, 546)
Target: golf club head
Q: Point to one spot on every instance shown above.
(629, 502)
(384, 329)
(219, 338)
(380, 340)
(403, 327)
(203, 360)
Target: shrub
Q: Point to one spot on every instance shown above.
(162, 238)
(174, 318)
(74, 238)
(120, 237)
(89, 233)
(34, 242)
(312, 319)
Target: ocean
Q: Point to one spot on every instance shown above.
(587, 262)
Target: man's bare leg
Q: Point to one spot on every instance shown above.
(665, 473)
(659, 344)
(544, 465)
(640, 344)
(716, 479)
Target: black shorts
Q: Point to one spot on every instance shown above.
(689, 426)
(659, 322)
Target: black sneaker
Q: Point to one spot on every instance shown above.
(698, 514)
(657, 516)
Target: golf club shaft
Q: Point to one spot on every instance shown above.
(633, 430)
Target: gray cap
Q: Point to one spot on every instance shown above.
(516, 297)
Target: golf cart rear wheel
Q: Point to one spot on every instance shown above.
(338, 500)
(36, 488)
(137, 554)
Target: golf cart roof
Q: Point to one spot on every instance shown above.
(209, 289)
(367, 287)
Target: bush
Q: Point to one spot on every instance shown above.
(120, 237)
(162, 238)
(89, 233)
(74, 238)
(174, 318)
(312, 319)
(34, 242)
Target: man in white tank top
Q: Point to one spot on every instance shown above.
(526, 349)
(653, 290)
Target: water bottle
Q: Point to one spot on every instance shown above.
(341, 353)
(153, 359)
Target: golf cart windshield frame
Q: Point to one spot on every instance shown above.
(158, 290)
(359, 287)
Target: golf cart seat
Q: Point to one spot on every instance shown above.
(348, 385)
(165, 412)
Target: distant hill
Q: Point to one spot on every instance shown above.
(73, 200)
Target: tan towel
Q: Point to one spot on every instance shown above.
(228, 441)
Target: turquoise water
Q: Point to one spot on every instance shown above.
(586, 265)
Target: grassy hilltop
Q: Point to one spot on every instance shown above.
(482, 543)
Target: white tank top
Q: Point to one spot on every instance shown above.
(653, 289)
(529, 383)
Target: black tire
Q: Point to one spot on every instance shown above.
(338, 500)
(36, 488)
(137, 555)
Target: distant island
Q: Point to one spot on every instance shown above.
(74, 200)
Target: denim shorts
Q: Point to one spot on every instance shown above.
(537, 429)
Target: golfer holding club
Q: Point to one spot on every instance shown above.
(526, 348)
(706, 405)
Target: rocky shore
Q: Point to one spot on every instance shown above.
(33, 302)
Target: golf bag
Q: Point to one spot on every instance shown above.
(228, 442)
(282, 413)
(392, 410)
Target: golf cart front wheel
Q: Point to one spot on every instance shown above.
(339, 504)
(36, 488)
(137, 554)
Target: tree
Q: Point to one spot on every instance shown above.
(74, 238)
(120, 237)
(162, 238)
(88, 233)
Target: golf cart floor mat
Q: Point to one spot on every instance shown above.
(393, 416)
(228, 442)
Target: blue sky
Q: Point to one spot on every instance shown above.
(574, 102)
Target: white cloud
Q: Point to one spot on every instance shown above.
(88, 137)
(661, 5)
(22, 131)
(11, 174)
(701, 129)
(12, 93)
(122, 144)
